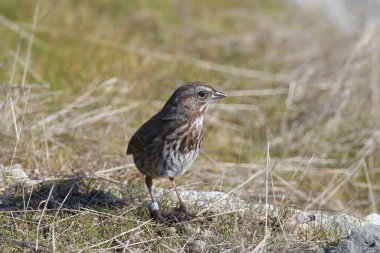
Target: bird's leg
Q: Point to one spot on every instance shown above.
(182, 207)
(149, 184)
(154, 209)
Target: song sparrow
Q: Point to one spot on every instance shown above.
(168, 143)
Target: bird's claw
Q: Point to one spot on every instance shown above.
(184, 214)
(156, 215)
(155, 212)
(183, 210)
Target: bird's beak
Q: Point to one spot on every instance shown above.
(218, 95)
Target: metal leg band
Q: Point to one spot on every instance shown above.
(154, 206)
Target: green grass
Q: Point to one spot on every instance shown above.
(97, 70)
(76, 218)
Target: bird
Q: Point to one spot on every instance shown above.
(167, 144)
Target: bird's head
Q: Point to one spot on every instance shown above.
(193, 99)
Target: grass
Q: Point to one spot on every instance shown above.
(77, 79)
(69, 215)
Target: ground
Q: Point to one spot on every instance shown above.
(78, 78)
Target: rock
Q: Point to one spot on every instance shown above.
(15, 173)
(170, 230)
(197, 246)
(343, 223)
(217, 202)
(373, 218)
(27, 182)
(271, 209)
(365, 239)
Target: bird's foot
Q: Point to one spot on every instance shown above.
(156, 215)
(183, 210)
(184, 214)
(155, 212)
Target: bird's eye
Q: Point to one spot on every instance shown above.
(201, 94)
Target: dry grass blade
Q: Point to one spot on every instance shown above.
(30, 42)
(371, 192)
(100, 115)
(78, 101)
(268, 170)
(230, 192)
(14, 120)
(42, 214)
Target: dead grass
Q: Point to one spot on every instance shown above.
(78, 78)
(82, 214)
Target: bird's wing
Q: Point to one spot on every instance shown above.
(144, 136)
(135, 145)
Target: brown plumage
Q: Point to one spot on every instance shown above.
(168, 143)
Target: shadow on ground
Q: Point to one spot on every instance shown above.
(82, 192)
(70, 193)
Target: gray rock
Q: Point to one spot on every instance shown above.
(197, 246)
(16, 174)
(214, 201)
(373, 218)
(365, 239)
(342, 223)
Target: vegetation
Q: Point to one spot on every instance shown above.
(78, 77)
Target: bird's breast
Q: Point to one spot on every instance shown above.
(181, 146)
(192, 137)
(175, 163)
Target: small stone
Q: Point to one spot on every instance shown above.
(29, 182)
(197, 246)
(172, 230)
(169, 230)
(373, 218)
(14, 172)
(345, 222)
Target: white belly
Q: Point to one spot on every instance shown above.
(178, 163)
